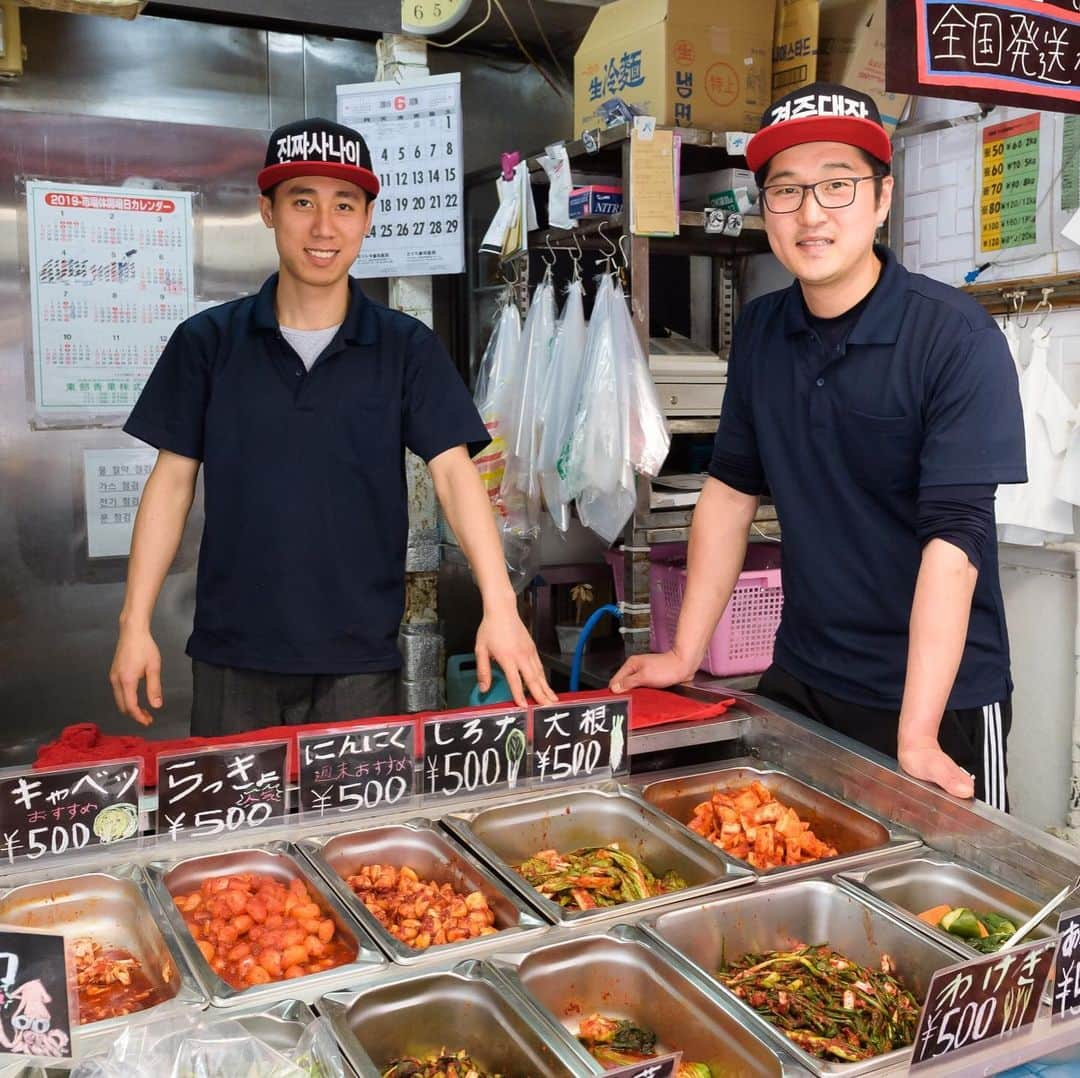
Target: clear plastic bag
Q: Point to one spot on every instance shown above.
(185, 1047)
(558, 403)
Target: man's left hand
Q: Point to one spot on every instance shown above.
(923, 758)
(503, 638)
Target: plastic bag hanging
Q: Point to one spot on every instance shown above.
(558, 403)
(521, 482)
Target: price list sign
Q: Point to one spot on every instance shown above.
(111, 276)
(582, 740)
(48, 813)
(367, 768)
(1067, 968)
(35, 1005)
(978, 1001)
(658, 1067)
(413, 131)
(222, 790)
(474, 754)
(1008, 196)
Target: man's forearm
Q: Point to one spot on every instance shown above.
(937, 633)
(715, 557)
(159, 527)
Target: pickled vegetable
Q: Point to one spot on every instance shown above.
(616, 1043)
(985, 932)
(111, 982)
(443, 1065)
(253, 929)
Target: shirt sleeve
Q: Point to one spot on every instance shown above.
(171, 410)
(439, 413)
(963, 516)
(735, 457)
(973, 421)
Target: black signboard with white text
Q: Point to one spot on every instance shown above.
(1067, 969)
(1024, 53)
(49, 813)
(977, 1001)
(213, 791)
(475, 754)
(366, 768)
(659, 1067)
(35, 1014)
(581, 740)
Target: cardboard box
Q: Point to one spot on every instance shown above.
(596, 200)
(690, 63)
(700, 189)
(795, 48)
(851, 51)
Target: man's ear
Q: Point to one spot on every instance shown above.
(266, 211)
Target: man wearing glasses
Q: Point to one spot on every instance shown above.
(879, 409)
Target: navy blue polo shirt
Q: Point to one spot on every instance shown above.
(923, 394)
(302, 563)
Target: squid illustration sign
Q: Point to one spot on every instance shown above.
(35, 1019)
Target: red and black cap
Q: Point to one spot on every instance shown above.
(317, 147)
(820, 112)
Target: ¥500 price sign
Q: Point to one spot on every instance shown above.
(413, 130)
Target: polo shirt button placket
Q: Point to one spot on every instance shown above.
(820, 382)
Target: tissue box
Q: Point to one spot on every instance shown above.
(596, 200)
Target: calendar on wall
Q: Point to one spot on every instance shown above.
(111, 276)
(413, 130)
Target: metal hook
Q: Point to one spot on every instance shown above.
(576, 258)
(1044, 305)
(549, 262)
(1018, 306)
(624, 251)
(608, 258)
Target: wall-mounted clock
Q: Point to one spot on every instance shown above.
(426, 17)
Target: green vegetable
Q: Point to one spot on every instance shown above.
(997, 925)
(961, 922)
(515, 753)
(693, 1070)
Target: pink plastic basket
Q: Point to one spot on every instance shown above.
(744, 637)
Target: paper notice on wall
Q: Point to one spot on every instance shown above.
(111, 276)
(113, 481)
(1009, 188)
(654, 183)
(1070, 163)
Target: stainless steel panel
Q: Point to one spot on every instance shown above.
(463, 1008)
(854, 834)
(624, 974)
(806, 911)
(433, 856)
(280, 1025)
(508, 834)
(279, 861)
(115, 910)
(909, 887)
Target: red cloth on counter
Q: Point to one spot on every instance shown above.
(85, 741)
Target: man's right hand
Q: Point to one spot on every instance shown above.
(651, 671)
(136, 657)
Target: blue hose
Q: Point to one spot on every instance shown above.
(583, 639)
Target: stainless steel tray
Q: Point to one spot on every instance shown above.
(626, 974)
(465, 1007)
(856, 834)
(804, 911)
(507, 834)
(906, 888)
(280, 861)
(434, 856)
(115, 909)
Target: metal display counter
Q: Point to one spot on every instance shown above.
(888, 820)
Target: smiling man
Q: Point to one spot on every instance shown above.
(298, 404)
(880, 409)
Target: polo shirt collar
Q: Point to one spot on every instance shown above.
(879, 323)
(358, 328)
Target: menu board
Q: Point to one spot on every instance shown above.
(366, 768)
(582, 740)
(111, 276)
(474, 754)
(213, 791)
(1067, 968)
(659, 1067)
(35, 1015)
(413, 130)
(48, 813)
(977, 1001)
(1008, 198)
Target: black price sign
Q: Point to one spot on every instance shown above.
(977, 1001)
(35, 1019)
(52, 812)
(1067, 968)
(581, 740)
(475, 754)
(658, 1067)
(368, 767)
(214, 791)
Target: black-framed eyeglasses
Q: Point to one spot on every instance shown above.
(832, 194)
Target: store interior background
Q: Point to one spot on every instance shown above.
(204, 96)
